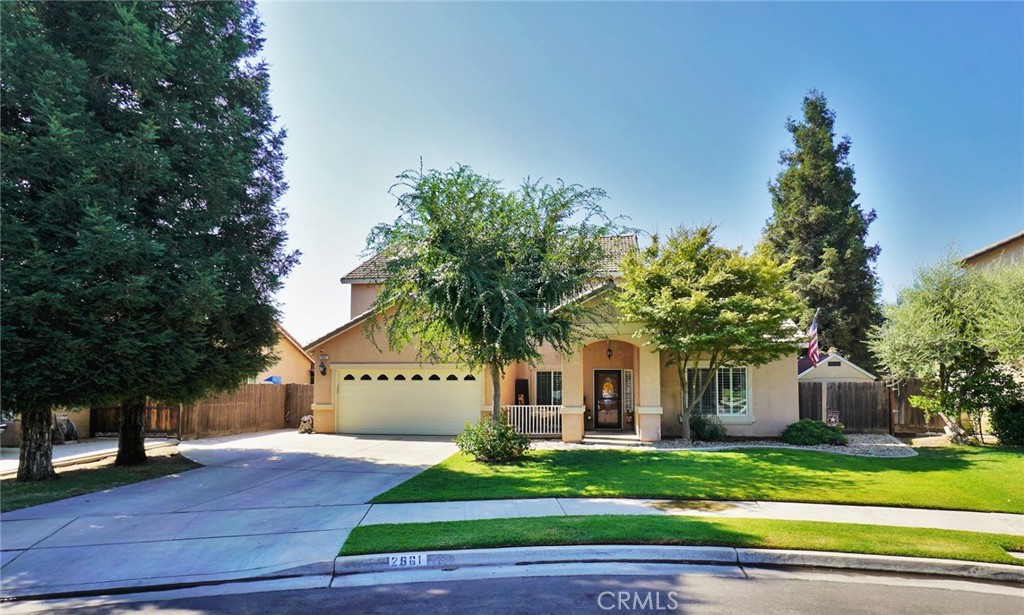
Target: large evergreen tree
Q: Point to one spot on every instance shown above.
(141, 241)
(817, 224)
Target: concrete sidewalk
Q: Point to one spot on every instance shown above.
(993, 523)
(75, 452)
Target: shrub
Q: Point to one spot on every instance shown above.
(806, 432)
(706, 427)
(487, 441)
(1008, 423)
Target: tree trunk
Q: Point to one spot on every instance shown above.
(496, 394)
(131, 441)
(35, 459)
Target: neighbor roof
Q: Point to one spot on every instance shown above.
(967, 260)
(616, 247)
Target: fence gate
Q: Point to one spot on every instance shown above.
(810, 401)
(863, 406)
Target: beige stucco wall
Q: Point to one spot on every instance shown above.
(363, 296)
(292, 365)
(1012, 251)
(829, 373)
(774, 399)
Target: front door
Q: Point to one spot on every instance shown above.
(608, 398)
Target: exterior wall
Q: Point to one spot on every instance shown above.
(352, 346)
(774, 400)
(1011, 251)
(363, 296)
(827, 373)
(292, 365)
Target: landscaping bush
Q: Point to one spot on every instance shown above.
(487, 441)
(806, 432)
(706, 427)
(1008, 423)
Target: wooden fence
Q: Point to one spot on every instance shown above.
(253, 407)
(867, 407)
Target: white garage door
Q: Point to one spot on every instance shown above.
(406, 400)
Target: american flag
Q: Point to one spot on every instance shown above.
(812, 341)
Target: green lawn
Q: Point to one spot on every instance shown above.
(81, 480)
(751, 533)
(959, 478)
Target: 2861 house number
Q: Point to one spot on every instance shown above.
(406, 561)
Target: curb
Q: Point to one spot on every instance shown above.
(722, 556)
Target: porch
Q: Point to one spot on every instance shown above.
(611, 386)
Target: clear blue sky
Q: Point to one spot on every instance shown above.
(677, 110)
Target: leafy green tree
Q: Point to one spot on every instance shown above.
(1001, 322)
(484, 277)
(700, 302)
(817, 224)
(141, 244)
(932, 333)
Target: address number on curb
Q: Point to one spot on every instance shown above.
(407, 561)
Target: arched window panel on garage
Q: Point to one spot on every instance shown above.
(469, 377)
(452, 377)
(349, 377)
(417, 377)
(382, 377)
(399, 377)
(365, 377)
(434, 377)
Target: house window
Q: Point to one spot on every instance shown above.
(549, 388)
(728, 393)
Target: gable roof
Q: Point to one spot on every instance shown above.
(832, 356)
(374, 270)
(973, 256)
(293, 341)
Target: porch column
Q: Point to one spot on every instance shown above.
(649, 410)
(572, 398)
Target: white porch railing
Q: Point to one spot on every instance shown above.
(535, 420)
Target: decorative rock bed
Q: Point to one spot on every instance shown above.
(860, 445)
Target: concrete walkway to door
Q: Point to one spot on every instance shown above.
(268, 504)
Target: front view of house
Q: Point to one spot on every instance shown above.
(611, 384)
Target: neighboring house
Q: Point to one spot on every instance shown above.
(293, 365)
(611, 383)
(832, 368)
(1009, 250)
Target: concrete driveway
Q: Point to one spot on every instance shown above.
(268, 504)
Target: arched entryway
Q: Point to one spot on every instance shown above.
(610, 377)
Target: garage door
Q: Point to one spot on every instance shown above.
(406, 400)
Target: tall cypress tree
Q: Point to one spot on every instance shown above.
(817, 223)
(142, 244)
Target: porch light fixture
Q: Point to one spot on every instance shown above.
(323, 362)
(608, 352)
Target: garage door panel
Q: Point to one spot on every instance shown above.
(421, 407)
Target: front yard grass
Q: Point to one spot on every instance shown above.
(653, 530)
(89, 478)
(956, 478)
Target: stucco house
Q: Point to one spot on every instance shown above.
(612, 384)
(293, 365)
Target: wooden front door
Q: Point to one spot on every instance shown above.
(608, 399)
